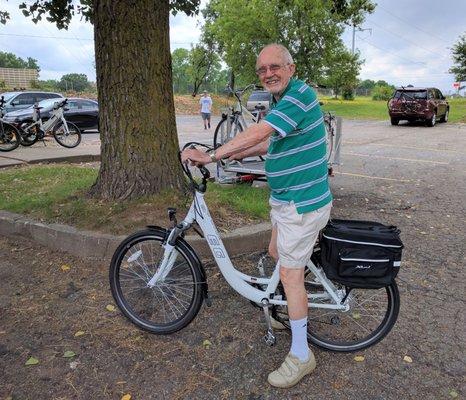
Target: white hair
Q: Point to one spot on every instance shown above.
(284, 53)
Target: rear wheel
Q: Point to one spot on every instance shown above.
(394, 121)
(371, 315)
(9, 137)
(431, 122)
(31, 135)
(224, 132)
(445, 116)
(173, 302)
(70, 137)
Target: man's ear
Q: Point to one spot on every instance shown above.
(292, 68)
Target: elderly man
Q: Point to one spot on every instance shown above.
(292, 136)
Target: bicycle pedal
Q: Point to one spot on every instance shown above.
(270, 338)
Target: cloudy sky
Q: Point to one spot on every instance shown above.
(405, 41)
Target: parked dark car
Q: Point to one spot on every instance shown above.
(20, 100)
(415, 103)
(82, 112)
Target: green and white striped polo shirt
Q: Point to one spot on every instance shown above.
(296, 165)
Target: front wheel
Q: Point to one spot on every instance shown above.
(70, 137)
(9, 137)
(174, 301)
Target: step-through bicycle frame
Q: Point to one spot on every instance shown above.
(244, 284)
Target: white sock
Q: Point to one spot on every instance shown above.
(299, 345)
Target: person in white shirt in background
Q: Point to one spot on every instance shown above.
(206, 108)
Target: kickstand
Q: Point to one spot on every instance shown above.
(269, 338)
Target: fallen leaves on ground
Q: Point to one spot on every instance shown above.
(359, 358)
(69, 354)
(207, 343)
(79, 333)
(65, 267)
(408, 359)
(32, 361)
(110, 307)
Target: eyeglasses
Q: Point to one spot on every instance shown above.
(273, 68)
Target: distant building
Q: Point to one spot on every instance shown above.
(18, 77)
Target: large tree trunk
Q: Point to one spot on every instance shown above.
(137, 115)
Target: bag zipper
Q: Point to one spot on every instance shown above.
(367, 243)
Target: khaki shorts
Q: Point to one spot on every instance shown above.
(297, 233)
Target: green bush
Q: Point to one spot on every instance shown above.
(382, 92)
(348, 93)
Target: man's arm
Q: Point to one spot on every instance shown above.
(253, 138)
(257, 150)
(255, 135)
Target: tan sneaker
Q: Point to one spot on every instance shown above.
(292, 371)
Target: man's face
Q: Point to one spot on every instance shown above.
(273, 71)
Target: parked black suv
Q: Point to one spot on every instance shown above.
(414, 103)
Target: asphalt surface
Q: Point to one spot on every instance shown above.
(410, 176)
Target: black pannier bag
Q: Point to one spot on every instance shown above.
(360, 254)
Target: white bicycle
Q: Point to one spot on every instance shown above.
(65, 133)
(159, 283)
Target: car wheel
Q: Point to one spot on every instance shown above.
(431, 122)
(445, 117)
(394, 121)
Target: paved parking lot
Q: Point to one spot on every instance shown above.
(410, 176)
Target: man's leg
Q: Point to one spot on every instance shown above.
(208, 121)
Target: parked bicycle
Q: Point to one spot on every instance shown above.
(234, 120)
(9, 135)
(159, 283)
(65, 133)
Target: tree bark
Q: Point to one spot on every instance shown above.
(139, 142)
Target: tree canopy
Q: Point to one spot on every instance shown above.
(310, 29)
(10, 60)
(459, 57)
(77, 82)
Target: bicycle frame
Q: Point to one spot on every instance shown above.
(239, 281)
(46, 126)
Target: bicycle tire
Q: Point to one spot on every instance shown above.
(322, 333)
(221, 136)
(349, 342)
(70, 139)
(30, 136)
(329, 135)
(9, 137)
(136, 259)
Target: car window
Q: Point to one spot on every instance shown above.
(7, 95)
(88, 104)
(72, 104)
(24, 99)
(49, 96)
(259, 96)
(410, 94)
(439, 94)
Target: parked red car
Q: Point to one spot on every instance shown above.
(414, 103)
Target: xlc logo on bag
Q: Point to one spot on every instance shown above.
(363, 266)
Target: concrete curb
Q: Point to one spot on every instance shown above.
(99, 246)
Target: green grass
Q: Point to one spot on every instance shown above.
(366, 108)
(57, 193)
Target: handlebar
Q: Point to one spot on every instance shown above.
(203, 170)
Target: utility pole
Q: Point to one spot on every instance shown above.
(354, 34)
